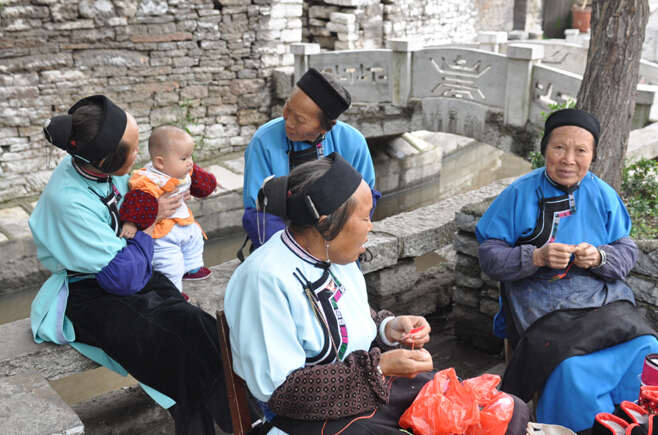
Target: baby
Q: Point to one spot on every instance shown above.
(178, 239)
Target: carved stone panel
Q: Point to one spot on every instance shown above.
(462, 74)
(450, 115)
(551, 86)
(365, 74)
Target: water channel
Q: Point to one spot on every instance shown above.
(470, 168)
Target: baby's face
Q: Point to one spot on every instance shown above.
(177, 161)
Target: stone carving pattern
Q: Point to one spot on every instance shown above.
(556, 58)
(457, 79)
(359, 75)
(546, 93)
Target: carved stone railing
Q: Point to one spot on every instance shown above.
(462, 89)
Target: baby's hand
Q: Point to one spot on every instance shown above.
(128, 230)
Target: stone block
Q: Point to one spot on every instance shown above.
(466, 296)
(384, 249)
(468, 277)
(647, 264)
(645, 290)
(225, 178)
(246, 86)
(489, 307)
(341, 18)
(12, 12)
(25, 65)
(283, 82)
(392, 281)
(323, 12)
(252, 117)
(14, 220)
(96, 9)
(152, 7)
(31, 406)
(167, 37)
(466, 222)
(116, 58)
(466, 243)
(341, 28)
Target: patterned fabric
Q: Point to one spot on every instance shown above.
(203, 183)
(140, 208)
(332, 391)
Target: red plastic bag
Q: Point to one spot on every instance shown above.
(446, 406)
(496, 407)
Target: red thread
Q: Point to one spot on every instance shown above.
(348, 424)
(556, 277)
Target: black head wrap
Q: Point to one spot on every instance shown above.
(575, 117)
(323, 94)
(323, 197)
(57, 130)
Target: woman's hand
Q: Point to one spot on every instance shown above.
(405, 363)
(587, 256)
(168, 203)
(400, 327)
(554, 255)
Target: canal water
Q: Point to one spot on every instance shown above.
(472, 167)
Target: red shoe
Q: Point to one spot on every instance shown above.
(187, 298)
(202, 273)
(632, 413)
(608, 424)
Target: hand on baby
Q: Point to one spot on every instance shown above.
(406, 363)
(558, 255)
(128, 230)
(169, 202)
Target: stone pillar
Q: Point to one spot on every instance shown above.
(302, 51)
(490, 41)
(518, 94)
(401, 67)
(475, 295)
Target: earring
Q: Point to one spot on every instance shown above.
(327, 251)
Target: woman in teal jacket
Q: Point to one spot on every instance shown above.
(103, 297)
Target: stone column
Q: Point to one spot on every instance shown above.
(401, 67)
(520, 60)
(302, 51)
(490, 41)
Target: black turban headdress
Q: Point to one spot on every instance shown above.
(322, 197)
(316, 86)
(57, 130)
(574, 117)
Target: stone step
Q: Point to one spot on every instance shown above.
(29, 406)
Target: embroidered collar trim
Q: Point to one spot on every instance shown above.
(563, 188)
(91, 176)
(296, 248)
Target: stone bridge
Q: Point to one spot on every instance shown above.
(494, 91)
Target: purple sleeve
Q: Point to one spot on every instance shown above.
(269, 224)
(130, 269)
(620, 257)
(376, 195)
(501, 262)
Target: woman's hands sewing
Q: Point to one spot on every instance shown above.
(406, 363)
(558, 255)
(399, 329)
(411, 331)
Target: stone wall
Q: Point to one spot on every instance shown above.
(204, 65)
(475, 295)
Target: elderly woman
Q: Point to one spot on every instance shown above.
(308, 130)
(103, 297)
(303, 336)
(558, 240)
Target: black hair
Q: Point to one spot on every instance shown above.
(304, 175)
(325, 121)
(86, 124)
